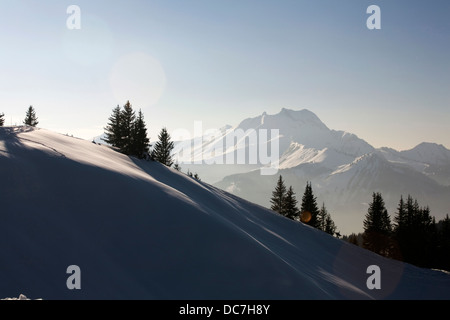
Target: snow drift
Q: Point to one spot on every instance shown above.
(139, 230)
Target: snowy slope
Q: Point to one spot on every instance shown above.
(139, 230)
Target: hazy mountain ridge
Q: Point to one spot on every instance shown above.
(343, 168)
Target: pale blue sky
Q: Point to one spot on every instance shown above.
(220, 61)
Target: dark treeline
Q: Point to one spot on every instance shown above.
(128, 133)
(412, 235)
(285, 203)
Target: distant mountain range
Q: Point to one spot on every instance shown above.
(344, 169)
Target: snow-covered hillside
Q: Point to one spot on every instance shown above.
(139, 230)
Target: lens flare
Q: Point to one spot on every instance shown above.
(305, 216)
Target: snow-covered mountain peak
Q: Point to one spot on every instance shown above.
(303, 116)
(298, 119)
(430, 153)
(286, 118)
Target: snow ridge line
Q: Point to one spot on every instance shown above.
(42, 144)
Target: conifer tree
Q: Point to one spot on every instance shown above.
(330, 226)
(278, 197)
(113, 130)
(2, 120)
(289, 208)
(377, 227)
(400, 217)
(30, 117)
(163, 148)
(139, 141)
(324, 221)
(322, 217)
(126, 128)
(309, 207)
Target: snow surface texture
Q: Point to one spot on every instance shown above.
(20, 297)
(139, 230)
(344, 170)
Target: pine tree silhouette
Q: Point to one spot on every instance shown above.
(30, 117)
(163, 148)
(278, 197)
(140, 141)
(309, 210)
(377, 227)
(290, 209)
(113, 130)
(126, 128)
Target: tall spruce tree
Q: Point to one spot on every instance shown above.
(113, 130)
(377, 227)
(163, 148)
(126, 128)
(290, 209)
(30, 117)
(330, 226)
(2, 120)
(400, 217)
(309, 210)
(278, 197)
(140, 141)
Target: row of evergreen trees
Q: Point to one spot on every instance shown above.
(30, 118)
(413, 236)
(285, 203)
(128, 133)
